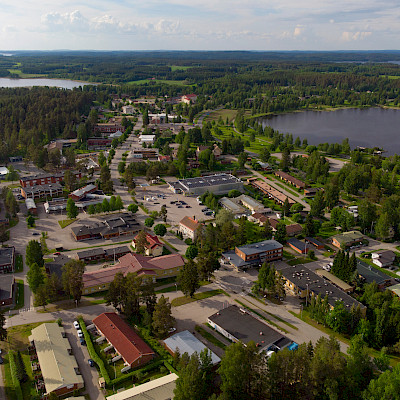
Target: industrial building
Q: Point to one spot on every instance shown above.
(217, 184)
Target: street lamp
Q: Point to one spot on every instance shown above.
(307, 295)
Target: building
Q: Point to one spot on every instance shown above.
(15, 159)
(316, 243)
(55, 205)
(146, 267)
(232, 206)
(335, 280)
(157, 389)
(31, 206)
(189, 227)
(298, 245)
(108, 127)
(3, 172)
(128, 109)
(217, 184)
(112, 226)
(153, 247)
(291, 230)
(148, 139)
(7, 259)
(144, 154)
(395, 289)
(383, 258)
(186, 342)
(302, 282)
(58, 366)
(253, 255)
(349, 239)
(45, 179)
(311, 191)
(98, 143)
(126, 342)
(157, 118)
(258, 218)
(98, 254)
(7, 289)
(82, 192)
(290, 179)
(270, 191)
(250, 203)
(370, 274)
(56, 266)
(264, 166)
(238, 325)
(189, 98)
(40, 191)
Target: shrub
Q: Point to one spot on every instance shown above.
(133, 208)
(160, 230)
(191, 252)
(15, 381)
(59, 322)
(149, 222)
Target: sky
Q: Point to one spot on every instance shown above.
(200, 25)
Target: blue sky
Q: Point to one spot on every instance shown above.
(200, 25)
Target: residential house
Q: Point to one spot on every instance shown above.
(383, 258)
(290, 179)
(134, 351)
(56, 265)
(298, 245)
(189, 98)
(291, 230)
(189, 227)
(128, 109)
(98, 142)
(7, 290)
(153, 247)
(270, 191)
(316, 243)
(349, 239)
(41, 191)
(264, 166)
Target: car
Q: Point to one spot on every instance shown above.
(1, 360)
(35, 233)
(188, 206)
(91, 362)
(204, 209)
(83, 343)
(80, 333)
(180, 206)
(171, 330)
(183, 203)
(57, 253)
(76, 325)
(156, 202)
(172, 202)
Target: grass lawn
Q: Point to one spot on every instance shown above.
(19, 263)
(224, 113)
(180, 301)
(65, 222)
(300, 260)
(284, 187)
(20, 294)
(209, 337)
(179, 67)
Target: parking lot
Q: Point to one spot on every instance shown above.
(153, 197)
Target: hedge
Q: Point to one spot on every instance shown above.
(16, 382)
(143, 370)
(92, 352)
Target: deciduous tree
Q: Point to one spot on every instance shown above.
(163, 320)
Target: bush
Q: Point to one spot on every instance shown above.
(133, 208)
(191, 252)
(59, 322)
(188, 241)
(15, 381)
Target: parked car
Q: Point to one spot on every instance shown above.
(180, 206)
(83, 343)
(1, 360)
(35, 233)
(172, 202)
(76, 325)
(188, 206)
(91, 362)
(80, 333)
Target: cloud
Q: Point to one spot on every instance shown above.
(9, 28)
(352, 36)
(298, 31)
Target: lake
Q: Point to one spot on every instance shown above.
(61, 83)
(367, 127)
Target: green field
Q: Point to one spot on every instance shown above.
(167, 82)
(180, 301)
(22, 75)
(224, 113)
(179, 67)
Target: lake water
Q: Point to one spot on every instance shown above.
(368, 127)
(61, 83)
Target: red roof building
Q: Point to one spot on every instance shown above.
(127, 343)
(153, 247)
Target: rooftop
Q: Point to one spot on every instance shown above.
(265, 245)
(6, 286)
(211, 180)
(185, 342)
(190, 223)
(371, 274)
(297, 243)
(57, 366)
(232, 206)
(245, 327)
(83, 190)
(350, 236)
(7, 255)
(124, 339)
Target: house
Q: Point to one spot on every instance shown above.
(298, 245)
(7, 289)
(157, 389)
(45, 179)
(395, 289)
(185, 342)
(217, 151)
(98, 254)
(7, 259)
(316, 243)
(253, 255)
(56, 266)
(152, 268)
(335, 280)
(370, 274)
(3, 172)
(238, 325)
(82, 192)
(31, 206)
(264, 166)
(115, 225)
(383, 258)
(148, 139)
(15, 159)
(189, 98)
(250, 203)
(189, 227)
(349, 239)
(134, 351)
(98, 143)
(218, 184)
(311, 191)
(164, 158)
(302, 282)
(128, 109)
(153, 247)
(258, 218)
(291, 230)
(290, 179)
(58, 366)
(144, 154)
(270, 191)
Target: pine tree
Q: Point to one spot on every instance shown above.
(163, 320)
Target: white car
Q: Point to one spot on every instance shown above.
(76, 325)
(80, 333)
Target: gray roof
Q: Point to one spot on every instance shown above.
(7, 255)
(30, 203)
(6, 285)
(56, 266)
(83, 190)
(371, 274)
(245, 327)
(297, 243)
(185, 342)
(304, 278)
(230, 205)
(258, 247)
(211, 180)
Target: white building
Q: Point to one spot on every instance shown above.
(384, 258)
(189, 227)
(128, 109)
(148, 139)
